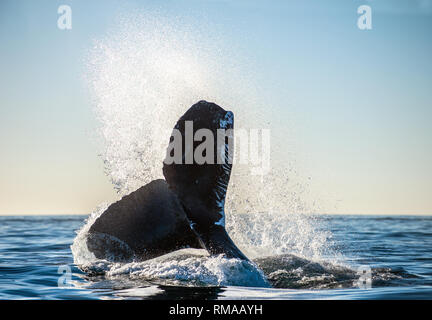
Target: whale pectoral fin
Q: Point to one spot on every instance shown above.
(202, 186)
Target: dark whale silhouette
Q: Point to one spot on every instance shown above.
(186, 210)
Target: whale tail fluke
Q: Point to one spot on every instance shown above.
(186, 210)
(144, 224)
(202, 185)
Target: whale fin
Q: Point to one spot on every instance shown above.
(186, 210)
(202, 186)
(149, 222)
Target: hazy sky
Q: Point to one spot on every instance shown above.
(360, 99)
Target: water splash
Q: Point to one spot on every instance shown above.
(82, 255)
(266, 234)
(194, 267)
(144, 75)
(142, 78)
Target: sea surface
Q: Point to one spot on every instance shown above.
(366, 257)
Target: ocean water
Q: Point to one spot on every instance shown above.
(391, 255)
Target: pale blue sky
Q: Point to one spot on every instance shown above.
(361, 99)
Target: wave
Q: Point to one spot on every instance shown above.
(196, 268)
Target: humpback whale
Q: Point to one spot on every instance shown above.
(186, 210)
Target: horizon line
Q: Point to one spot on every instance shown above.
(311, 213)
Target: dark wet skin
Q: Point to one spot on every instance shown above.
(150, 220)
(185, 211)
